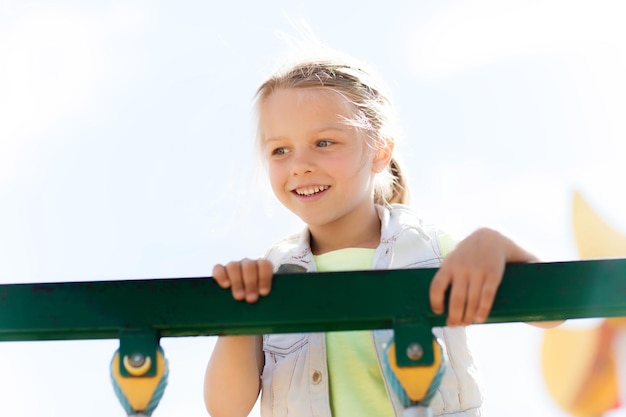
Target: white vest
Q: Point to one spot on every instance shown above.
(295, 376)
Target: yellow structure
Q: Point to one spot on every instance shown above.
(139, 395)
(579, 365)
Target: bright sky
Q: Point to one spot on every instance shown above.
(126, 152)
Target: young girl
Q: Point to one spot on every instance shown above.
(325, 130)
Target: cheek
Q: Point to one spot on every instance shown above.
(352, 167)
(276, 175)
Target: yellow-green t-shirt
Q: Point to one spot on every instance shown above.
(356, 384)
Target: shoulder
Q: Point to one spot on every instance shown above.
(283, 246)
(405, 226)
(291, 247)
(403, 218)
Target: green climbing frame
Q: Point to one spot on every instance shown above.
(140, 312)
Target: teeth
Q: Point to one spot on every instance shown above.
(311, 190)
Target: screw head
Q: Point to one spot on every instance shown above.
(414, 351)
(137, 359)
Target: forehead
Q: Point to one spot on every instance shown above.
(311, 102)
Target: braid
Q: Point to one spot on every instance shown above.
(398, 193)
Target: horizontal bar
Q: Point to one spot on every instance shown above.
(298, 302)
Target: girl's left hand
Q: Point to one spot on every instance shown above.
(473, 271)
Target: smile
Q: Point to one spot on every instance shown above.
(307, 191)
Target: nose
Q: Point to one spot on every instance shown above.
(302, 163)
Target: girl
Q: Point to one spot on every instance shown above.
(325, 130)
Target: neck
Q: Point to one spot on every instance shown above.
(362, 231)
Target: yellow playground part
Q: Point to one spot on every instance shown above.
(139, 395)
(579, 364)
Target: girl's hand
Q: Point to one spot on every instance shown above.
(247, 278)
(473, 272)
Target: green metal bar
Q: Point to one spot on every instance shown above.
(298, 303)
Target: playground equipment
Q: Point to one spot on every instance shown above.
(140, 312)
(583, 367)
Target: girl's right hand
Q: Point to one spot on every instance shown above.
(247, 279)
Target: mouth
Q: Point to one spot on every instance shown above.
(310, 190)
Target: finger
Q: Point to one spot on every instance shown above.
(472, 301)
(250, 275)
(458, 297)
(438, 287)
(266, 273)
(220, 276)
(487, 297)
(233, 269)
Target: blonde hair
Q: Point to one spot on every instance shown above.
(373, 112)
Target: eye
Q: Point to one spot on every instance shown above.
(324, 143)
(279, 151)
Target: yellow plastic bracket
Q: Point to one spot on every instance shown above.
(415, 380)
(138, 390)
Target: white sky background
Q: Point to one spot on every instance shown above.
(126, 152)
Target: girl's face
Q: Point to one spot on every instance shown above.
(320, 167)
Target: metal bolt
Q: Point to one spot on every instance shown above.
(414, 351)
(137, 359)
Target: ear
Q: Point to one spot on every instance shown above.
(382, 157)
